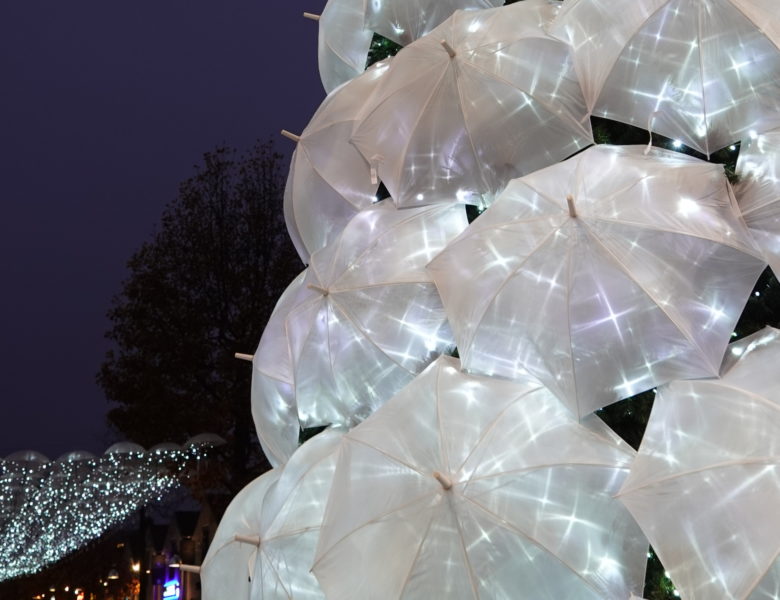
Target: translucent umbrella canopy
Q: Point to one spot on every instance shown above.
(703, 71)
(758, 192)
(478, 488)
(273, 390)
(329, 180)
(229, 564)
(291, 519)
(642, 285)
(404, 21)
(343, 43)
(705, 487)
(485, 97)
(369, 317)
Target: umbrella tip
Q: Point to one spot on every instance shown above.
(291, 136)
(445, 481)
(572, 208)
(450, 50)
(311, 16)
(241, 356)
(316, 288)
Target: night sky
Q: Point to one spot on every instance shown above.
(104, 108)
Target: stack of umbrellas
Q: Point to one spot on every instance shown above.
(457, 366)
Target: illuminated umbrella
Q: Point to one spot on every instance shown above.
(642, 285)
(485, 97)
(705, 487)
(404, 21)
(329, 179)
(344, 42)
(229, 563)
(758, 192)
(369, 317)
(291, 518)
(704, 71)
(472, 487)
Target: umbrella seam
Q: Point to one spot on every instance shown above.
(442, 445)
(761, 575)
(276, 573)
(416, 556)
(539, 467)
(387, 455)
(469, 135)
(470, 571)
(701, 79)
(569, 270)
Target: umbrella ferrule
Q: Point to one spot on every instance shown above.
(248, 539)
(450, 50)
(242, 356)
(445, 481)
(291, 136)
(317, 288)
(572, 207)
(311, 16)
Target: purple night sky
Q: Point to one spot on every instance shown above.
(105, 107)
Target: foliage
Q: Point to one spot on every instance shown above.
(200, 290)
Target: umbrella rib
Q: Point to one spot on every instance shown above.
(533, 468)
(569, 271)
(721, 383)
(414, 560)
(701, 80)
(275, 571)
(626, 272)
(754, 584)
(340, 56)
(763, 460)
(319, 173)
(386, 454)
(477, 161)
(442, 445)
(509, 527)
(470, 570)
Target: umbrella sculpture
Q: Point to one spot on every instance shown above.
(229, 564)
(485, 97)
(758, 192)
(704, 71)
(369, 317)
(343, 42)
(404, 21)
(329, 179)
(291, 517)
(705, 487)
(471, 487)
(603, 276)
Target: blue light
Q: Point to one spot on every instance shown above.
(171, 590)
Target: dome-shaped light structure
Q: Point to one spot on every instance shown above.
(206, 440)
(75, 456)
(28, 457)
(124, 448)
(164, 447)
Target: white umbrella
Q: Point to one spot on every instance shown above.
(473, 487)
(642, 285)
(329, 179)
(369, 317)
(758, 192)
(702, 71)
(485, 97)
(229, 563)
(344, 42)
(404, 21)
(705, 487)
(291, 518)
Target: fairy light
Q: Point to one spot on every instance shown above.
(48, 511)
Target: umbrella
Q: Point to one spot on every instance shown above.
(485, 97)
(643, 284)
(369, 317)
(704, 486)
(290, 523)
(229, 563)
(273, 391)
(758, 192)
(344, 42)
(404, 21)
(329, 179)
(472, 487)
(702, 71)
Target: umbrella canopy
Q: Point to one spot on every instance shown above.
(485, 97)
(472, 487)
(702, 71)
(290, 524)
(642, 285)
(329, 180)
(343, 43)
(229, 563)
(758, 192)
(369, 317)
(404, 21)
(704, 486)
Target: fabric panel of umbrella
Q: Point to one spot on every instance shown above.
(291, 517)
(758, 192)
(329, 180)
(230, 561)
(705, 487)
(369, 317)
(485, 97)
(702, 71)
(404, 21)
(343, 42)
(640, 279)
(463, 486)
(273, 389)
